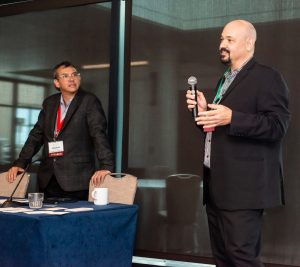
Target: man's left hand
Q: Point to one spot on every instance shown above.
(218, 115)
(98, 177)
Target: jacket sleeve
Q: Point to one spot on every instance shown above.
(97, 127)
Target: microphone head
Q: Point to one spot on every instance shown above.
(192, 80)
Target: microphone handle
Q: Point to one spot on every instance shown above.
(193, 88)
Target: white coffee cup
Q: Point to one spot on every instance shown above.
(100, 196)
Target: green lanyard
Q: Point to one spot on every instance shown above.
(218, 95)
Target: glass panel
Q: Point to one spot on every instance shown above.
(29, 51)
(177, 39)
(25, 120)
(5, 138)
(6, 92)
(32, 95)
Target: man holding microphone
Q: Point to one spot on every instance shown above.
(244, 128)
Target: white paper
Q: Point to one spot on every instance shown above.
(14, 210)
(46, 212)
(79, 209)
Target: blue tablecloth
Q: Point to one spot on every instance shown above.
(102, 237)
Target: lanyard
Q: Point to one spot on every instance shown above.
(59, 123)
(218, 96)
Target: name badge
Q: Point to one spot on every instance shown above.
(56, 149)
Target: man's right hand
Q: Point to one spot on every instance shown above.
(12, 173)
(190, 100)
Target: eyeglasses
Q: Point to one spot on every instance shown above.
(66, 76)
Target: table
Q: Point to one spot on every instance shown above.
(87, 235)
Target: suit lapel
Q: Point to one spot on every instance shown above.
(73, 107)
(240, 76)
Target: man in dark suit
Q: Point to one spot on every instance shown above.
(71, 127)
(244, 128)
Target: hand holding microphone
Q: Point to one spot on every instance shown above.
(192, 81)
(195, 95)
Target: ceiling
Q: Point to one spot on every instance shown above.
(203, 14)
(32, 43)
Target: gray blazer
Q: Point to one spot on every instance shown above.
(85, 142)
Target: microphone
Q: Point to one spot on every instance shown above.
(9, 202)
(192, 81)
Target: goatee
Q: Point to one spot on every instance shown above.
(223, 60)
(226, 62)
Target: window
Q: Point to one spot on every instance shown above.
(28, 52)
(178, 39)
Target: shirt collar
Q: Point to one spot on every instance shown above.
(62, 102)
(240, 68)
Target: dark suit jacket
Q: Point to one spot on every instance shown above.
(246, 161)
(83, 134)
